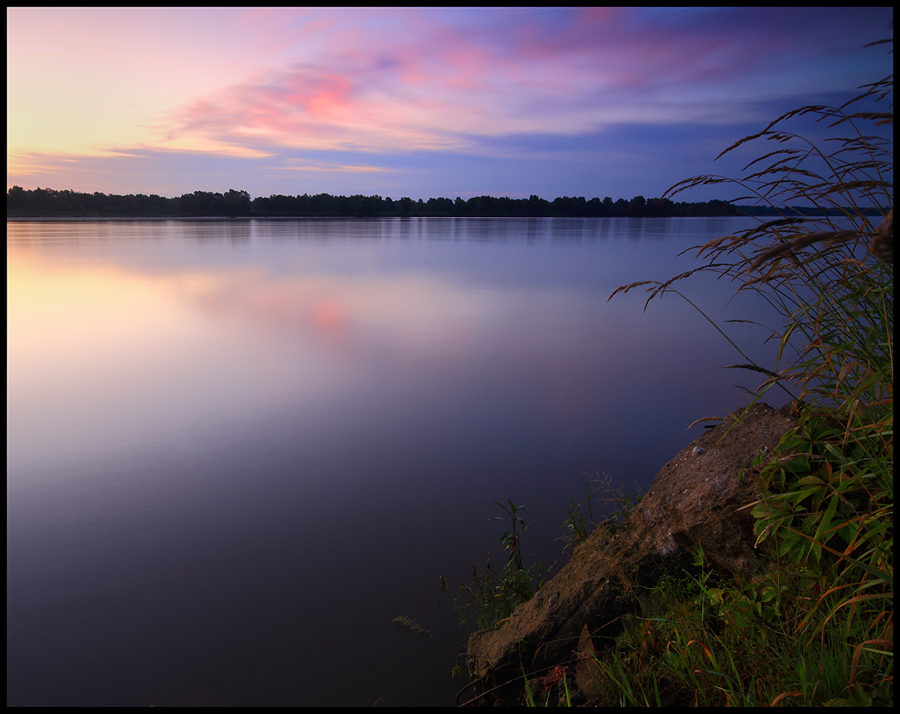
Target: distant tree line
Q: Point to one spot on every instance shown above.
(45, 202)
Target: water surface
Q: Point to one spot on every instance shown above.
(238, 449)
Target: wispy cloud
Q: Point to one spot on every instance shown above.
(433, 81)
(292, 86)
(329, 168)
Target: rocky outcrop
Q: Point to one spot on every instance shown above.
(693, 501)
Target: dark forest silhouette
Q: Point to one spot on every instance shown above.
(48, 203)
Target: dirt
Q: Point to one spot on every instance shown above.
(695, 500)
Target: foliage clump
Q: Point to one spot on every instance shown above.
(493, 594)
(817, 628)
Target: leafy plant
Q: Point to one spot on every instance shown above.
(816, 626)
(493, 595)
(623, 502)
(826, 515)
(577, 528)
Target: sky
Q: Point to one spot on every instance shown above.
(418, 102)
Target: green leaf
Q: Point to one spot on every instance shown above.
(826, 519)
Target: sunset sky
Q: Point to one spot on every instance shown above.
(415, 102)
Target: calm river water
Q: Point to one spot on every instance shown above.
(237, 450)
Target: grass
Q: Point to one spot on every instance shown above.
(816, 628)
(720, 644)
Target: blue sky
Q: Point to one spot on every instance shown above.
(419, 102)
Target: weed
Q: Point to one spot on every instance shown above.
(577, 529)
(493, 595)
(817, 627)
(623, 503)
(410, 625)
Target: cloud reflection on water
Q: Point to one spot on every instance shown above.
(131, 347)
(224, 412)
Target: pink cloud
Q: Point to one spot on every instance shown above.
(429, 88)
(278, 82)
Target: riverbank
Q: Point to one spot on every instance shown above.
(694, 503)
(763, 581)
(685, 604)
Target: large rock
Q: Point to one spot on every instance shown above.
(693, 501)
